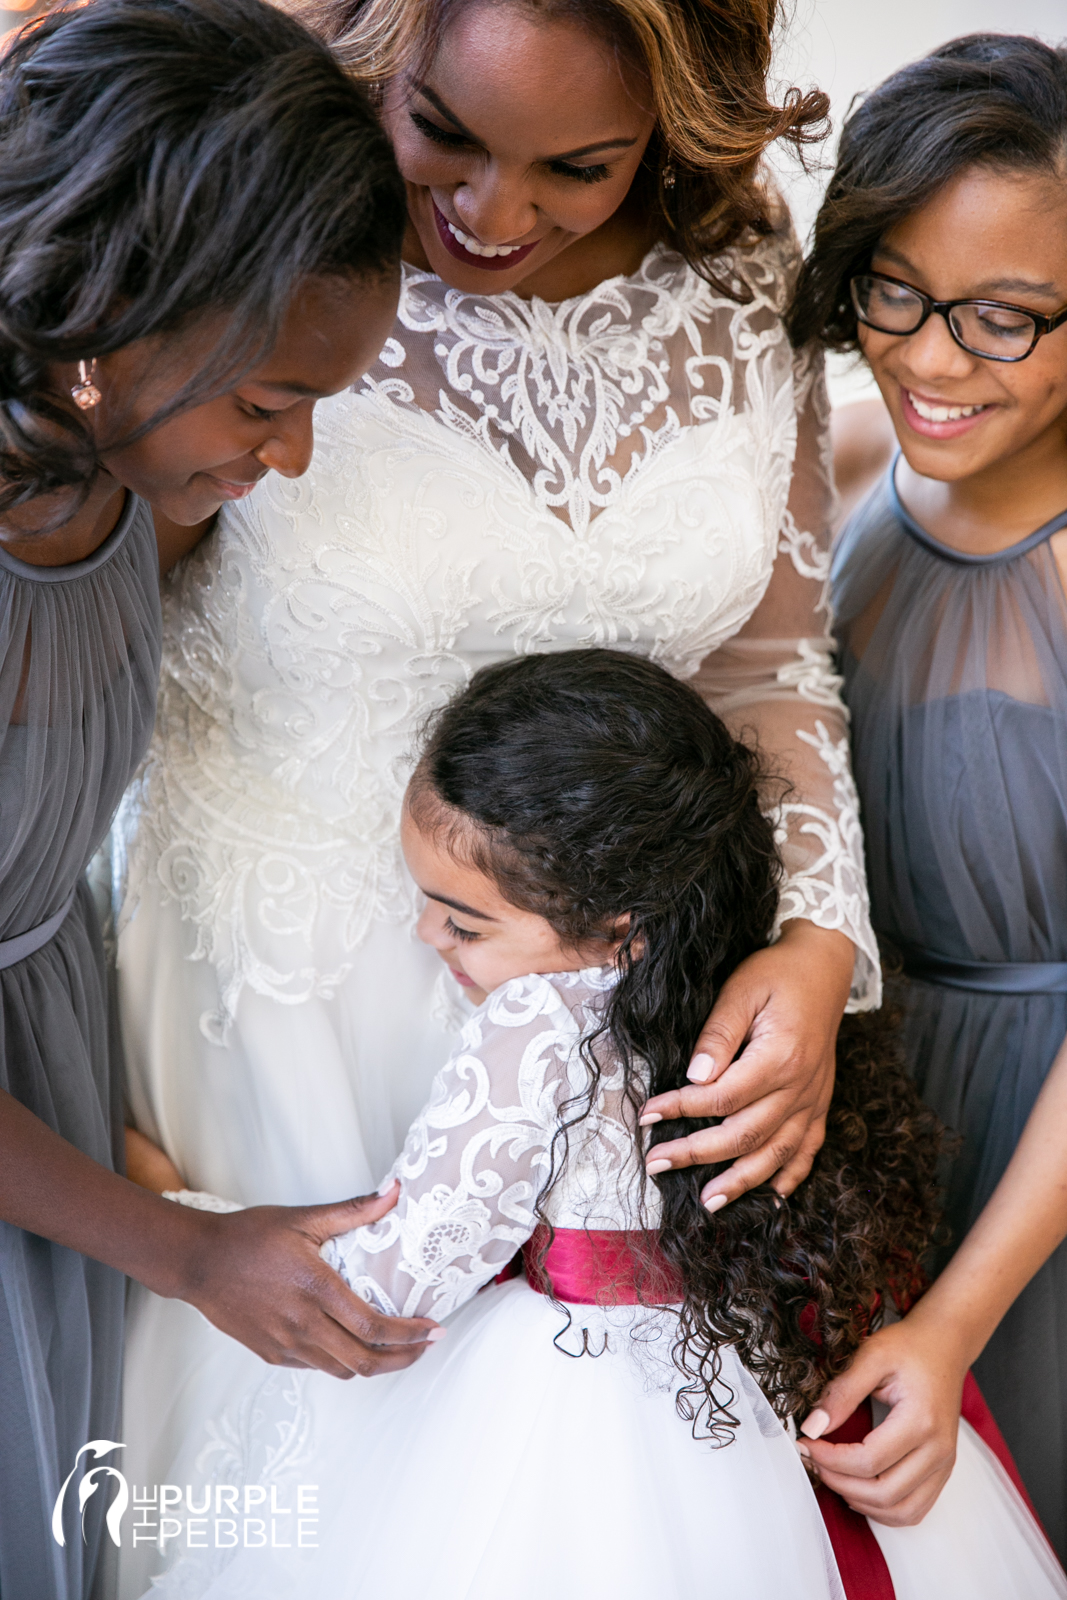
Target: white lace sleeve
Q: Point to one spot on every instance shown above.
(775, 680)
(474, 1160)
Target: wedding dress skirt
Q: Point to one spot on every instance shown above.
(501, 1468)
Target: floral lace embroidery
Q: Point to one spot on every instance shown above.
(306, 640)
(562, 385)
(477, 1156)
(831, 887)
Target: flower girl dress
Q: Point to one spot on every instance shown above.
(537, 1450)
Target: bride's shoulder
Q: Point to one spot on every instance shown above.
(756, 273)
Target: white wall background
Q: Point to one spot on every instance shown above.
(846, 46)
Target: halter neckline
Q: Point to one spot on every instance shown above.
(76, 569)
(961, 557)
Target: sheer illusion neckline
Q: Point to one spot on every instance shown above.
(419, 277)
(76, 569)
(962, 558)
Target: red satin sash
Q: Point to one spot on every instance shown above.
(598, 1267)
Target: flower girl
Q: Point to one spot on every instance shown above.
(618, 1419)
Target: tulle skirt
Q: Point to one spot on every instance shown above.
(501, 1467)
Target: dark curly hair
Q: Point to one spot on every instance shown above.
(989, 98)
(706, 62)
(160, 160)
(590, 785)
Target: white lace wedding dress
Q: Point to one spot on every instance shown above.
(538, 1450)
(644, 466)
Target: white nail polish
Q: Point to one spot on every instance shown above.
(435, 1334)
(700, 1068)
(654, 1168)
(815, 1426)
(648, 1119)
(714, 1203)
(387, 1187)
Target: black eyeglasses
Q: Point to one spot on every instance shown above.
(991, 329)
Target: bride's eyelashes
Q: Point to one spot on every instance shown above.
(460, 933)
(457, 141)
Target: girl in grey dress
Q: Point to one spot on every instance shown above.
(941, 250)
(199, 231)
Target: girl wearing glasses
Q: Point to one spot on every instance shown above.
(941, 254)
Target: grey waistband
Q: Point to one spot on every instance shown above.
(27, 944)
(989, 977)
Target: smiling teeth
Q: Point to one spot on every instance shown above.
(477, 249)
(941, 413)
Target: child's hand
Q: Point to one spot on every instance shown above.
(897, 1472)
(149, 1166)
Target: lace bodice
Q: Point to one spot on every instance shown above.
(476, 1158)
(644, 466)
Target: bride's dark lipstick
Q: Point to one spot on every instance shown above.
(486, 263)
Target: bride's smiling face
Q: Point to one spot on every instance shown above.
(522, 137)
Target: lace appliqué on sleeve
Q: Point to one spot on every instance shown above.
(775, 683)
(830, 888)
(474, 1160)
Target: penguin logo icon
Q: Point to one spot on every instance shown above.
(88, 1486)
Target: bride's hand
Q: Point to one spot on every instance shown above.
(259, 1277)
(897, 1472)
(786, 1002)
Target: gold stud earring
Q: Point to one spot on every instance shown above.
(85, 393)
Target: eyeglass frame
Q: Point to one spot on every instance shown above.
(1042, 323)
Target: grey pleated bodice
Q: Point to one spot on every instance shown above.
(959, 706)
(955, 672)
(79, 664)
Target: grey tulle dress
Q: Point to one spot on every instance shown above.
(956, 675)
(79, 662)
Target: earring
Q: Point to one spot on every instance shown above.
(85, 393)
(668, 175)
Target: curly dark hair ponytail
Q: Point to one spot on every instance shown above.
(600, 788)
(160, 160)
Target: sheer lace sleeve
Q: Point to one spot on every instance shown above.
(474, 1160)
(775, 680)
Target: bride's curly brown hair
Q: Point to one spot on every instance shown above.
(593, 787)
(706, 63)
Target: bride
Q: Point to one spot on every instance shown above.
(587, 428)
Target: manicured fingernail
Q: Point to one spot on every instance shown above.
(648, 1119)
(435, 1334)
(388, 1186)
(700, 1068)
(654, 1168)
(802, 1450)
(714, 1202)
(815, 1426)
